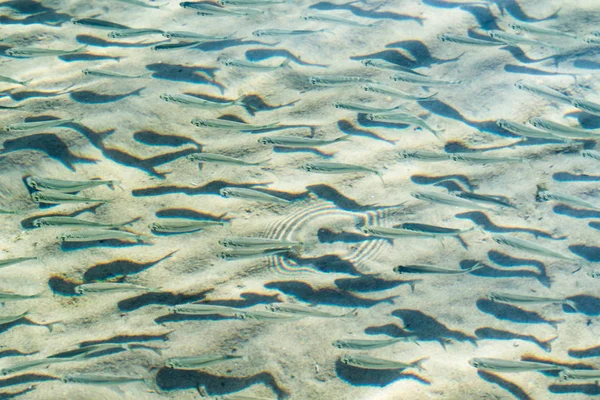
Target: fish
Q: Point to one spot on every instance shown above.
(203, 309)
(381, 89)
(97, 23)
(543, 91)
(251, 194)
(425, 155)
(181, 225)
(591, 154)
(294, 141)
(100, 234)
(37, 125)
(286, 32)
(126, 33)
(220, 159)
(361, 108)
(515, 40)
(92, 379)
(537, 30)
(65, 186)
(193, 101)
(526, 131)
(480, 158)
(392, 233)
(251, 2)
(7, 319)
(338, 20)
(12, 261)
(337, 80)
(72, 221)
(268, 316)
(25, 365)
(232, 125)
(110, 287)
(198, 362)
(28, 52)
(142, 4)
(9, 296)
(53, 197)
(208, 9)
(568, 374)
(422, 80)
(175, 46)
(489, 199)
(368, 362)
(499, 365)
(338, 168)
(587, 106)
(564, 131)
(369, 344)
(255, 66)
(434, 269)
(449, 200)
(110, 74)
(237, 254)
(254, 242)
(7, 79)
(530, 247)
(382, 64)
(446, 37)
(297, 309)
(193, 35)
(514, 298)
(546, 195)
(405, 118)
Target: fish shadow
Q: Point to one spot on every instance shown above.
(27, 223)
(511, 313)
(160, 298)
(510, 387)
(487, 333)
(426, 327)
(590, 389)
(74, 246)
(505, 260)
(365, 377)
(331, 194)
(590, 253)
(163, 337)
(62, 287)
(91, 97)
(420, 52)
(588, 305)
(346, 127)
(368, 283)
(444, 180)
(481, 219)
(96, 41)
(327, 264)
(360, 12)
(569, 177)
(151, 138)
(119, 268)
(26, 378)
(7, 396)
(572, 212)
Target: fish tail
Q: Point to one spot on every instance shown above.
(351, 313)
(418, 364)
(547, 344)
(80, 48)
(344, 138)
(113, 183)
(286, 63)
(572, 304)
(476, 267)
(25, 83)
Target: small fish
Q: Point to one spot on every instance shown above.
(391, 233)
(53, 197)
(9, 296)
(65, 186)
(207, 9)
(368, 362)
(469, 41)
(181, 225)
(6, 79)
(337, 80)
(255, 242)
(591, 154)
(97, 23)
(564, 131)
(25, 365)
(7, 319)
(382, 64)
(193, 101)
(587, 106)
(142, 4)
(72, 221)
(422, 80)
(37, 125)
(480, 158)
(110, 74)
(546, 195)
(433, 269)
(12, 261)
(338, 20)
(238, 254)
(449, 200)
(251, 2)
(405, 118)
(543, 91)
(297, 309)
(110, 287)
(369, 344)
(203, 309)
(175, 46)
(361, 108)
(525, 299)
(232, 125)
(488, 199)
(91, 379)
(193, 35)
(530, 247)
(100, 234)
(499, 365)
(198, 362)
(537, 30)
(516, 40)
(293, 141)
(255, 66)
(251, 194)
(126, 33)
(268, 316)
(525, 131)
(425, 155)
(337, 168)
(27, 52)
(220, 159)
(381, 89)
(568, 374)
(285, 32)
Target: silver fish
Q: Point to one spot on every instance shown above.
(143, 4)
(515, 40)
(381, 89)
(537, 30)
(37, 125)
(525, 131)
(434, 269)
(251, 2)
(110, 287)
(362, 108)
(52, 197)
(7, 319)
(368, 362)
(525, 299)
(207, 9)
(530, 247)
(97, 23)
(232, 125)
(182, 225)
(25, 365)
(337, 168)
(198, 362)
(126, 33)
(285, 32)
(568, 374)
(251, 194)
(543, 91)
(382, 64)
(369, 344)
(499, 365)
(448, 199)
(545, 195)
(587, 106)
(255, 66)
(11, 261)
(220, 159)
(338, 20)
(91, 379)
(72, 221)
(193, 35)
(110, 74)
(268, 316)
(193, 101)
(391, 233)
(175, 46)
(243, 253)
(480, 158)
(425, 155)
(257, 242)
(66, 186)
(337, 80)
(101, 234)
(203, 309)
(297, 309)
(564, 131)
(8, 296)
(294, 141)
(469, 41)
(7, 79)
(422, 80)
(591, 154)
(405, 118)
(27, 52)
